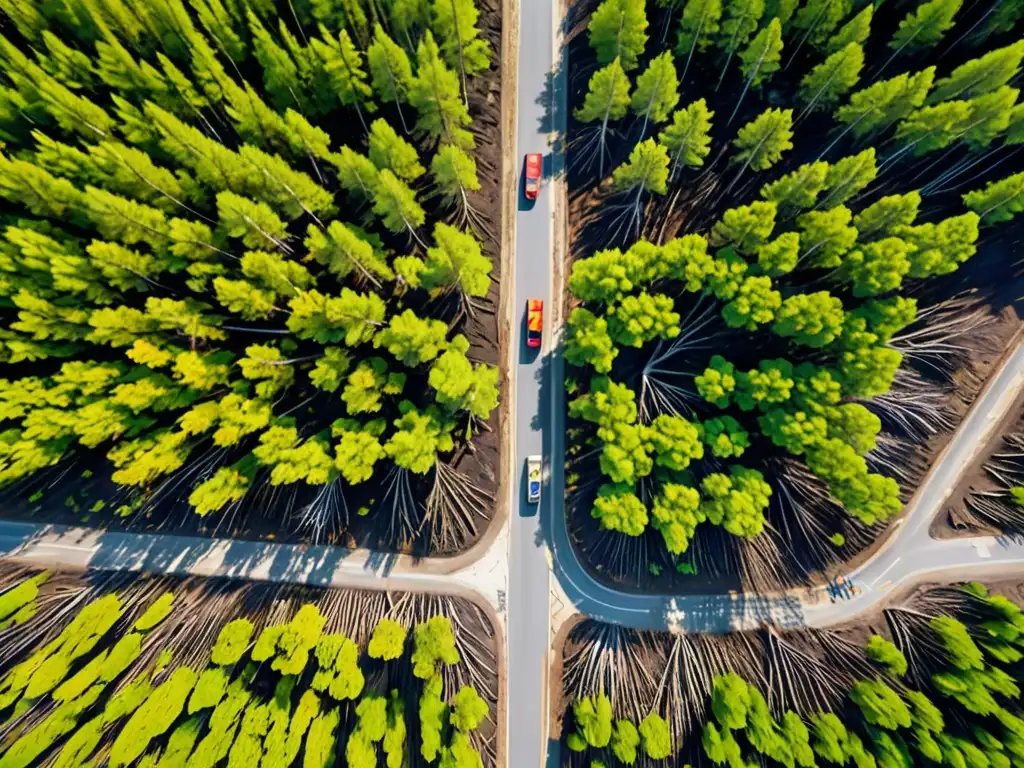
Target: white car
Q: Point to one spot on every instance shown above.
(533, 479)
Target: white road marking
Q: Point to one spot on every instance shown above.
(983, 550)
(891, 566)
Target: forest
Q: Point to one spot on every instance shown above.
(105, 668)
(933, 680)
(792, 229)
(248, 267)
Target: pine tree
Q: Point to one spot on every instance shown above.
(434, 93)
(454, 173)
(745, 228)
(343, 64)
(856, 30)
(926, 25)
(223, 23)
(741, 21)
(782, 10)
(982, 75)
(941, 247)
(698, 27)
(849, 176)
(657, 90)
(455, 25)
(991, 115)
(930, 128)
(761, 58)
(607, 99)
(646, 170)
(798, 189)
(688, 138)
(878, 267)
(66, 64)
(886, 216)
(885, 103)
(818, 19)
(456, 261)
(999, 201)
(618, 30)
(357, 175)
(461, 386)
(762, 141)
(823, 85)
(826, 236)
(390, 70)
(390, 151)
(280, 73)
(395, 202)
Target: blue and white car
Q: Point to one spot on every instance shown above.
(533, 479)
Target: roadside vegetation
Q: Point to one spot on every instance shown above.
(776, 208)
(114, 669)
(934, 680)
(247, 263)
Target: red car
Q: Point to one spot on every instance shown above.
(534, 322)
(533, 172)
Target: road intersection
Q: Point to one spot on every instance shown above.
(536, 543)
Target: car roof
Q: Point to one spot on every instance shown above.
(535, 305)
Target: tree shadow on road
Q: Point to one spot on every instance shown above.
(183, 555)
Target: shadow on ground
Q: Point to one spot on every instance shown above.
(182, 555)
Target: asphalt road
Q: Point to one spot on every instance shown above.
(528, 618)
(910, 555)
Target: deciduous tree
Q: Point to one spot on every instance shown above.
(812, 319)
(588, 341)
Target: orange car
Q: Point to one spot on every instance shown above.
(534, 321)
(533, 172)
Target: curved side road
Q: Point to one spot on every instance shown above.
(909, 555)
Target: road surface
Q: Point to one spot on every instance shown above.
(909, 555)
(528, 618)
(537, 396)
